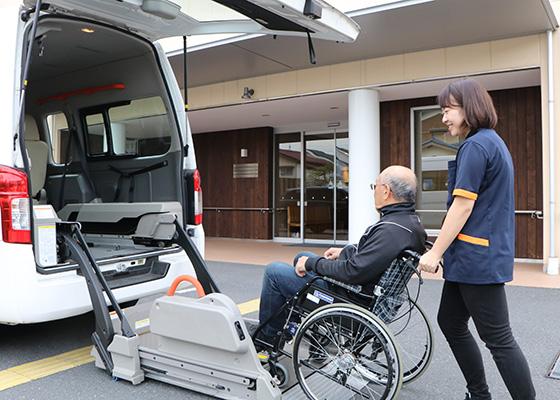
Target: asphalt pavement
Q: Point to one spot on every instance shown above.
(534, 315)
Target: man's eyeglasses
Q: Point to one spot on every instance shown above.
(373, 185)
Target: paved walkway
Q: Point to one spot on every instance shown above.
(261, 252)
(532, 297)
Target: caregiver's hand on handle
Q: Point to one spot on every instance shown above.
(429, 262)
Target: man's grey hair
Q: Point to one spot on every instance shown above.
(403, 190)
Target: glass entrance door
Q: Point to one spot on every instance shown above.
(319, 183)
(311, 185)
(287, 199)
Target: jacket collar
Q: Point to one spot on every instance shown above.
(397, 208)
(472, 133)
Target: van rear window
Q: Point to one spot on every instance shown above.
(137, 128)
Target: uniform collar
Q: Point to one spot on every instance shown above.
(397, 208)
(472, 133)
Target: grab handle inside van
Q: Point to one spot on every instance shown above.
(186, 278)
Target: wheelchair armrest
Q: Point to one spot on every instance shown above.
(357, 289)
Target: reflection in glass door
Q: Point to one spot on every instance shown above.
(287, 188)
(341, 194)
(319, 187)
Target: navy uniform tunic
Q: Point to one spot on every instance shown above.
(483, 252)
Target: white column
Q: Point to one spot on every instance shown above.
(365, 160)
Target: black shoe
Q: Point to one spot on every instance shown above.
(251, 324)
(469, 397)
(265, 342)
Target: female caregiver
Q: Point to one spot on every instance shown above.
(477, 242)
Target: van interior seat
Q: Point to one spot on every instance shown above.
(37, 151)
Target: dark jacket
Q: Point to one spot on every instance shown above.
(398, 229)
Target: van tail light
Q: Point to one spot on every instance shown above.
(197, 198)
(14, 206)
(193, 193)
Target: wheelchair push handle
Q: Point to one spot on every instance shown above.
(415, 256)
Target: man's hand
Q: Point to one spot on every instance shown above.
(332, 254)
(429, 262)
(300, 266)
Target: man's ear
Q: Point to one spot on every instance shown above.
(387, 194)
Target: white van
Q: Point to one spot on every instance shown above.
(93, 129)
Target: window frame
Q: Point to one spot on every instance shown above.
(413, 156)
(104, 110)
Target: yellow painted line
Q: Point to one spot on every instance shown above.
(249, 306)
(30, 371)
(47, 366)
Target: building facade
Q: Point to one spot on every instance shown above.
(293, 160)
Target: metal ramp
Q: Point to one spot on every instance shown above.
(324, 387)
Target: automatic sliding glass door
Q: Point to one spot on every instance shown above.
(319, 185)
(318, 164)
(287, 188)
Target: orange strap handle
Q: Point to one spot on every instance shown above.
(186, 278)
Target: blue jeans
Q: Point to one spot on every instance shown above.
(280, 283)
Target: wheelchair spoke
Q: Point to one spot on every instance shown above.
(317, 346)
(331, 336)
(349, 349)
(334, 379)
(360, 370)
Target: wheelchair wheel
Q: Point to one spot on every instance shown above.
(342, 351)
(414, 337)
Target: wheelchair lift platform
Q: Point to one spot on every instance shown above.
(212, 361)
(201, 344)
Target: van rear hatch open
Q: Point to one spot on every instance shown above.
(129, 63)
(157, 19)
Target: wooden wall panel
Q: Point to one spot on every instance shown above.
(519, 123)
(216, 153)
(519, 115)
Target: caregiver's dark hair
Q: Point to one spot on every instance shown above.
(473, 99)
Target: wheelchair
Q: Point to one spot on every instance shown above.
(349, 344)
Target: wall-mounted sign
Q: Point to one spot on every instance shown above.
(247, 170)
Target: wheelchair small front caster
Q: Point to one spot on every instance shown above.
(282, 377)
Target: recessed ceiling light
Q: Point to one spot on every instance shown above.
(87, 30)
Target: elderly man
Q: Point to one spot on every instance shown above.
(398, 229)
